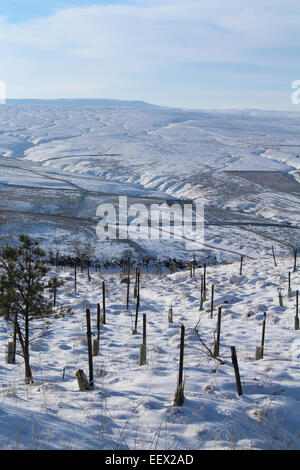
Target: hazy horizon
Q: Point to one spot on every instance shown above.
(193, 54)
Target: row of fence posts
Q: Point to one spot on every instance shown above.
(93, 349)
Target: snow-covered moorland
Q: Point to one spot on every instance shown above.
(131, 406)
(58, 163)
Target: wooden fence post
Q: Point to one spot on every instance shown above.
(135, 285)
(295, 260)
(15, 334)
(204, 282)
(260, 349)
(280, 298)
(179, 395)
(88, 270)
(297, 311)
(274, 257)
(98, 321)
(236, 371)
(212, 301)
(217, 341)
(170, 315)
(96, 342)
(201, 294)
(134, 332)
(241, 265)
(103, 303)
(144, 329)
(138, 286)
(143, 349)
(290, 287)
(128, 289)
(90, 353)
(75, 278)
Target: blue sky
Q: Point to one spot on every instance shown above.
(186, 53)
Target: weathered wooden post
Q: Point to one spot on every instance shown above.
(54, 292)
(201, 295)
(143, 350)
(134, 332)
(274, 257)
(135, 285)
(241, 265)
(280, 291)
(191, 269)
(297, 311)
(295, 259)
(204, 282)
(179, 395)
(90, 353)
(96, 341)
(144, 329)
(75, 278)
(217, 341)
(170, 315)
(236, 371)
(15, 334)
(98, 320)
(212, 301)
(128, 289)
(82, 381)
(138, 286)
(103, 303)
(260, 349)
(290, 287)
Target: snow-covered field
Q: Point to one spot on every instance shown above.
(132, 406)
(63, 160)
(58, 162)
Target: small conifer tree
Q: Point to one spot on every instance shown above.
(22, 286)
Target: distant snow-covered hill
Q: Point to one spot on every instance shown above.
(62, 158)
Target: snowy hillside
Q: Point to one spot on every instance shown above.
(131, 406)
(60, 161)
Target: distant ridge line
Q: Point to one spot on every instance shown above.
(83, 101)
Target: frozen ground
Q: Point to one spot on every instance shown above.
(60, 161)
(132, 406)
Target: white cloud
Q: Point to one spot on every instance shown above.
(116, 46)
